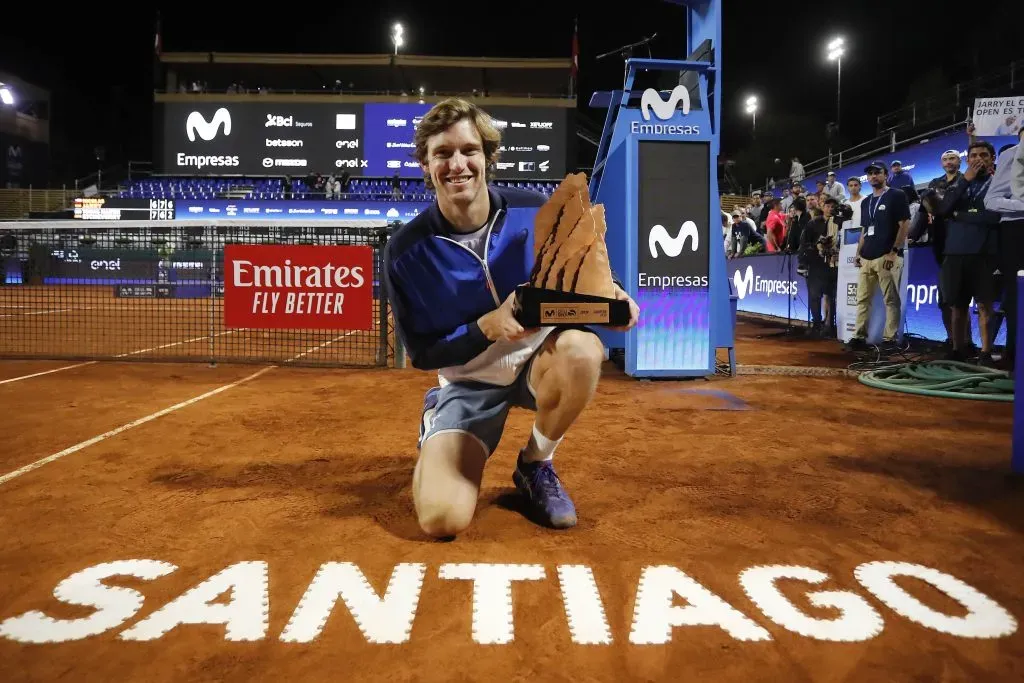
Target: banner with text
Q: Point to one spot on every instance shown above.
(298, 287)
(995, 116)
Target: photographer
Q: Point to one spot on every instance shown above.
(813, 258)
(836, 213)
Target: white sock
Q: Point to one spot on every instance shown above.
(539, 448)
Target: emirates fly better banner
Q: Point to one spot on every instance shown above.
(298, 287)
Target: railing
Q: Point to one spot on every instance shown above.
(19, 203)
(954, 103)
(396, 92)
(940, 113)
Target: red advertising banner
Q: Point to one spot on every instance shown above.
(298, 287)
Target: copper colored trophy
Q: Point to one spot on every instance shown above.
(571, 281)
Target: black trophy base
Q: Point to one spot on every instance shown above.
(535, 307)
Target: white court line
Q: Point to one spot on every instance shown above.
(45, 312)
(321, 346)
(45, 372)
(167, 346)
(123, 428)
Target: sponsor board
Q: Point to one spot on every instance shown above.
(299, 210)
(267, 138)
(298, 287)
(783, 601)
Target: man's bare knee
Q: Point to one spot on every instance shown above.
(579, 353)
(442, 521)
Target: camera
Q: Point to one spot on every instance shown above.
(844, 212)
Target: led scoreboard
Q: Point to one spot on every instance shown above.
(121, 209)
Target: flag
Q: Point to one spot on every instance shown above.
(157, 41)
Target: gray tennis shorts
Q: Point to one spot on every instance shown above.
(475, 408)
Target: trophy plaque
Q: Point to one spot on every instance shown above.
(571, 280)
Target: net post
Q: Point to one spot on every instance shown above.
(382, 297)
(1017, 459)
(209, 233)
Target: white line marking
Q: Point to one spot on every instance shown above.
(165, 346)
(45, 372)
(123, 428)
(321, 346)
(44, 312)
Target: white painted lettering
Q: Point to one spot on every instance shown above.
(114, 604)
(654, 614)
(492, 596)
(245, 616)
(985, 618)
(857, 619)
(583, 608)
(381, 620)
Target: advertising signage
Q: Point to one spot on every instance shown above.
(372, 139)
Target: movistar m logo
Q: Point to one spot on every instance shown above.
(673, 246)
(207, 130)
(744, 283)
(651, 99)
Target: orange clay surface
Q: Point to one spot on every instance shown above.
(276, 497)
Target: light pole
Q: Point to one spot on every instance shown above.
(836, 49)
(752, 110)
(397, 37)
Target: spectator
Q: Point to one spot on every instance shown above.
(1017, 176)
(798, 220)
(971, 249)
(834, 189)
(287, 185)
(900, 178)
(813, 265)
(796, 171)
(743, 234)
(830, 251)
(754, 208)
(880, 255)
(855, 200)
(788, 195)
(819, 190)
(1011, 240)
(775, 226)
(928, 225)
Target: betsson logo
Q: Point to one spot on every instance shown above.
(748, 283)
(673, 246)
(664, 110)
(207, 130)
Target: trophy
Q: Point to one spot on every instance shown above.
(571, 281)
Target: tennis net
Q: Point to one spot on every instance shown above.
(154, 291)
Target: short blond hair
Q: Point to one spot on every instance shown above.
(446, 114)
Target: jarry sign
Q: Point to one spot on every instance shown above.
(298, 287)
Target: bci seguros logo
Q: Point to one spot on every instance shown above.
(207, 130)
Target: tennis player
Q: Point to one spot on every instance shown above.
(451, 274)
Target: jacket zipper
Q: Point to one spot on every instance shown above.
(483, 261)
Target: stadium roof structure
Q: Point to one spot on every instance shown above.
(371, 76)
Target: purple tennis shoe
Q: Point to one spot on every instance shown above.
(544, 493)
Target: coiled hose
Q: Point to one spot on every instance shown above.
(944, 378)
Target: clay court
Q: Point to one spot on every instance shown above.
(260, 523)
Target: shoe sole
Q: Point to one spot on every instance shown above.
(537, 513)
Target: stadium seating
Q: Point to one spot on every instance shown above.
(378, 189)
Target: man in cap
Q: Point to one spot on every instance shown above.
(834, 189)
(885, 215)
(971, 251)
(900, 178)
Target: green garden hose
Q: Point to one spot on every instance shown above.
(943, 378)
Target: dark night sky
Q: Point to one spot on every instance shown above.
(99, 70)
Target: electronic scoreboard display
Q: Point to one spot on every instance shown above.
(123, 209)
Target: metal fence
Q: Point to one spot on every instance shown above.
(151, 291)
